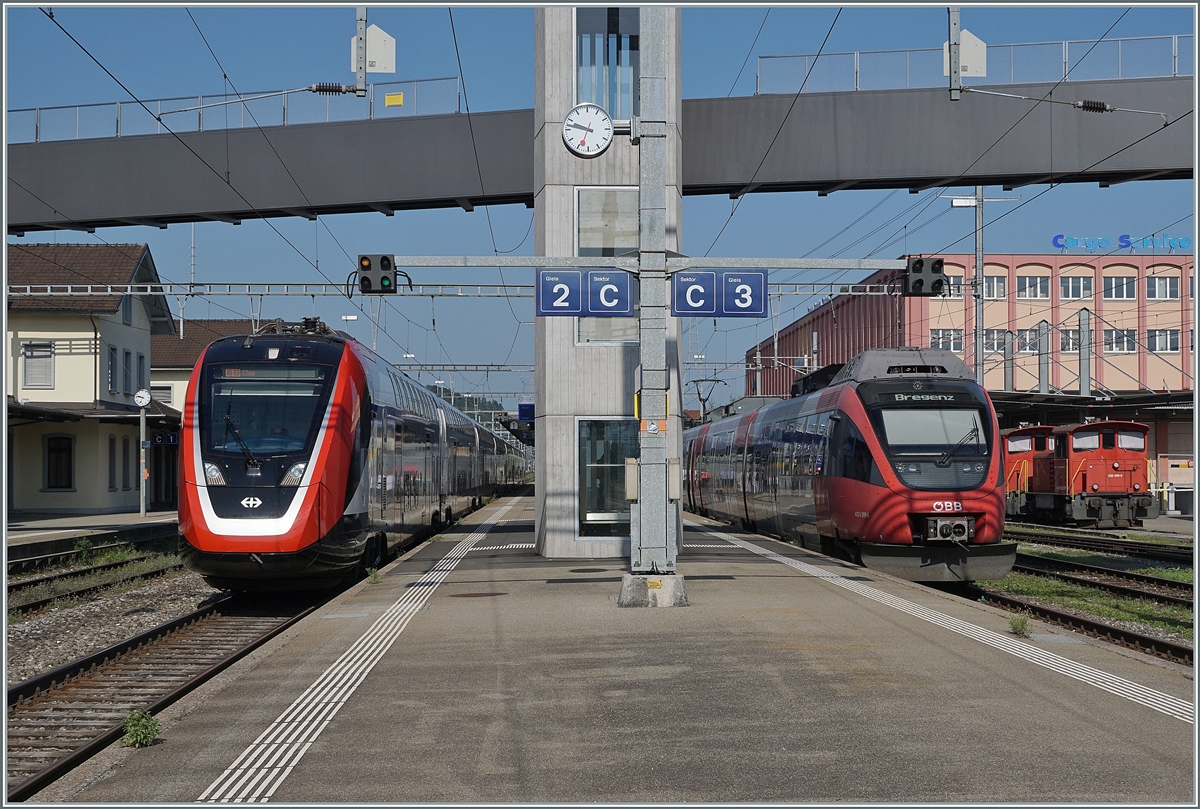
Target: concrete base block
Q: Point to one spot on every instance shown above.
(652, 591)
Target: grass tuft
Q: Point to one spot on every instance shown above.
(1019, 626)
(141, 729)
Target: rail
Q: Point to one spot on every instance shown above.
(206, 113)
(1021, 63)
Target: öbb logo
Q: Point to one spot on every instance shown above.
(947, 505)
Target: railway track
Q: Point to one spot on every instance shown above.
(60, 719)
(1155, 588)
(1179, 554)
(1159, 647)
(15, 589)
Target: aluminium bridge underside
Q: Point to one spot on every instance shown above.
(913, 139)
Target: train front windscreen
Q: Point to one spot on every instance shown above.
(261, 414)
(937, 437)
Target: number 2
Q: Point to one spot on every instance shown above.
(561, 300)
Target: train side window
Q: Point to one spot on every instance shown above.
(1088, 439)
(821, 439)
(1039, 443)
(1060, 449)
(1050, 443)
(1109, 439)
(1129, 439)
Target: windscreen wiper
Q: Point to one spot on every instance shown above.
(251, 461)
(962, 442)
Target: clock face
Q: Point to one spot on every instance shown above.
(587, 130)
(141, 398)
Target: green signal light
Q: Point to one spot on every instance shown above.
(385, 281)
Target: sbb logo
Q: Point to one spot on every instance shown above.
(947, 505)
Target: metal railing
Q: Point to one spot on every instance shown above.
(1028, 63)
(207, 113)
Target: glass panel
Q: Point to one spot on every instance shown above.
(608, 226)
(263, 409)
(933, 431)
(604, 444)
(1127, 439)
(1020, 443)
(1085, 440)
(607, 66)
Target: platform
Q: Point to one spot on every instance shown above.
(496, 675)
(34, 534)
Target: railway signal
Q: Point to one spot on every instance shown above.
(923, 277)
(377, 274)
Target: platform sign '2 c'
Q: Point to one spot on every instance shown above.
(729, 294)
(607, 293)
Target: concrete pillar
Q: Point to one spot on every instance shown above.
(575, 380)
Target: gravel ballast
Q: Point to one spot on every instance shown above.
(46, 639)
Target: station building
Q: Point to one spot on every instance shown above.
(72, 367)
(1140, 312)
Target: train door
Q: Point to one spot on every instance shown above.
(395, 471)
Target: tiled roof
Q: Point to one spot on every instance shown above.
(168, 351)
(73, 264)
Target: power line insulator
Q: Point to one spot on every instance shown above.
(1093, 106)
(327, 88)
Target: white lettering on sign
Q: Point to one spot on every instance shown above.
(690, 290)
(947, 505)
(744, 296)
(561, 300)
(923, 397)
(604, 294)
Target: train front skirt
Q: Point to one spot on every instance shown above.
(943, 563)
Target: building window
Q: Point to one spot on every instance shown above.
(607, 59)
(995, 287)
(1120, 341)
(993, 341)
(604, 444)
(127, 376)
(166, 394)
(60, 462)
(1068, 341)
(39, 365)
(113, 370)
(1120, 288)
(127, 310)
(1162, 288)
(1033, 286)
(607, 225)
(1163, 340)
(1028, 341)
(1075, 287)
(141, 371)
(949, 339)
(125, 463)
(112, 463)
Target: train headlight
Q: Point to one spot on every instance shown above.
(1137, 487)
(212, 475)
(293, 476)
(1116, 465)
(1095, 487)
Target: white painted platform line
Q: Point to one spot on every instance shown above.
(515, 545)
(266, 763)
(1163, 703)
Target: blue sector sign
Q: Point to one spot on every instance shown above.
(693, 293)
(559, 292)
(743, 294)
(608, 294)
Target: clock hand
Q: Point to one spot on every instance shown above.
(579, 126)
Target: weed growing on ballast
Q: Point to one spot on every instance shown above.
(373, 576)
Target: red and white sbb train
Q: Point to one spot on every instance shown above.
(894, 464)
(305, 458)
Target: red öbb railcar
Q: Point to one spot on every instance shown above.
(305, 458)
(1093, 474)
(893, 464)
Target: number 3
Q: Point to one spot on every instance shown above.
(745, 296)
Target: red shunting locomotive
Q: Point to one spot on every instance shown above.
(1094, 474)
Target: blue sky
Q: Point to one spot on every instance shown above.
(158, 53)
